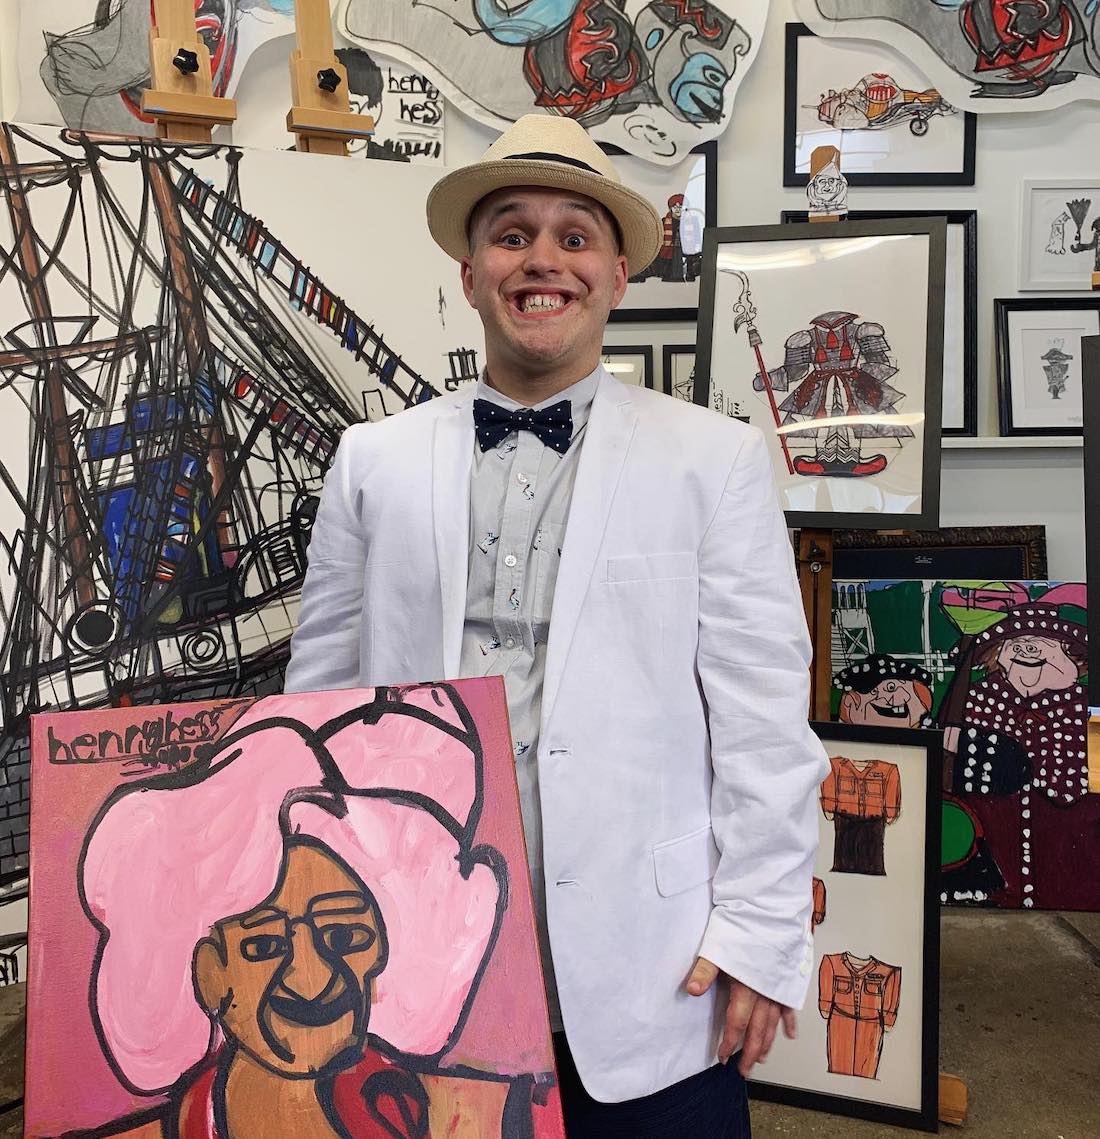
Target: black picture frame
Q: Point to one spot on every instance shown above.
(935, 228)
(968, 219)
(668, 353)
(627, 311)
(926, 1118)
(1003, 308)
(995, 553)
(1090, 349)
(963, 177)
(643, 350)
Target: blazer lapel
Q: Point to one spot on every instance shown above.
(452, 459)
(610, 428)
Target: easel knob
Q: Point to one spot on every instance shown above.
(320, 117)
(181, 96)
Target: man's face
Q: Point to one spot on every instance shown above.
(893, 702)
(290, 980)
(1037, 664)
(543, 272)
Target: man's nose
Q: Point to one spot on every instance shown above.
(543, 255)
(308, 974)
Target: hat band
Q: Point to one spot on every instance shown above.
(547, 157)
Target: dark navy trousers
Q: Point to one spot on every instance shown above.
(711, 1105)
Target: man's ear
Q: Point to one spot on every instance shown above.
(467, 270)
(208, 972)
(622, 277)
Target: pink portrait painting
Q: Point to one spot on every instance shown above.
(300, 915)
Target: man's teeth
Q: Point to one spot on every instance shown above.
(538, 302)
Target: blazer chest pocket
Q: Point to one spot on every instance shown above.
(683, 862)
(652, 567)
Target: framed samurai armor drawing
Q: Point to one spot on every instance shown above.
(891, 126)
(960, 311)
(829, 338)
(868, 1039)
(685, 197)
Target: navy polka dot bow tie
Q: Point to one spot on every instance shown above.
(553, 425)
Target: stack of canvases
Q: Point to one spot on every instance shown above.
(1001, 667)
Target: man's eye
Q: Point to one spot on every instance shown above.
(345, 939)
(574, 241)
(512, 240)
(264, 947)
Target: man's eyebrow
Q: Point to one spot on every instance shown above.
(339, 902)
(512, 205)
(262, 917)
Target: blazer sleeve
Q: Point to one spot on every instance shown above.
(324, 651)
(753, 662)
(825, 986)
(893, 792)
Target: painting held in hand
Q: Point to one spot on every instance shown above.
(300, 914)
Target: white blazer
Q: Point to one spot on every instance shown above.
(677, 773)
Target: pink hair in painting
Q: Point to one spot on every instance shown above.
(169, 858)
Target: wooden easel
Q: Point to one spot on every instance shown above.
(815, 547)
(320, 118)
(181, 98)
(815, 576)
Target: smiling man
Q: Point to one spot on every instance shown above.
(620, 558)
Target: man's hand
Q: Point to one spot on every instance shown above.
(751, 1020)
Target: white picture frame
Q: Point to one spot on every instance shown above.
(1048, 232)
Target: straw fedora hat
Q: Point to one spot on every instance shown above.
(543, 150)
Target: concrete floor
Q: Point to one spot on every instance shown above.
(1020, 1001)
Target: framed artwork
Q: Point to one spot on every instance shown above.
(366, 844)
(988, 552)
(630, 363)
(797, 333)
(960, 313)
(1060, 231)
(891, 126)
(685, 197)
(1001, 666)
(1039, 375)
(868, 1042)
(678, 370)
(1090, 351)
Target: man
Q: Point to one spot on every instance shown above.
(620, 557)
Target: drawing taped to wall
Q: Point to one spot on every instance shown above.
(984, 55)
(349, 944)
(879, 102)
(1006, 664)
(175, 380)
(655, 79)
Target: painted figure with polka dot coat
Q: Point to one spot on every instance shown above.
(1022, 747)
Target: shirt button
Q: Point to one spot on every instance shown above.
(510, 642)
(510, 560)
(521, 478)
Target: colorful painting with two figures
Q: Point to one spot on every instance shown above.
(1001, 668)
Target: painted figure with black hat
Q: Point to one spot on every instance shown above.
(884, 690)
(621, 559)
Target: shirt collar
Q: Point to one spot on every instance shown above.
(580, 396)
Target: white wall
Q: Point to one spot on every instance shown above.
(981, 485)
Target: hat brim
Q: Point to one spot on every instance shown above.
(454, 197)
